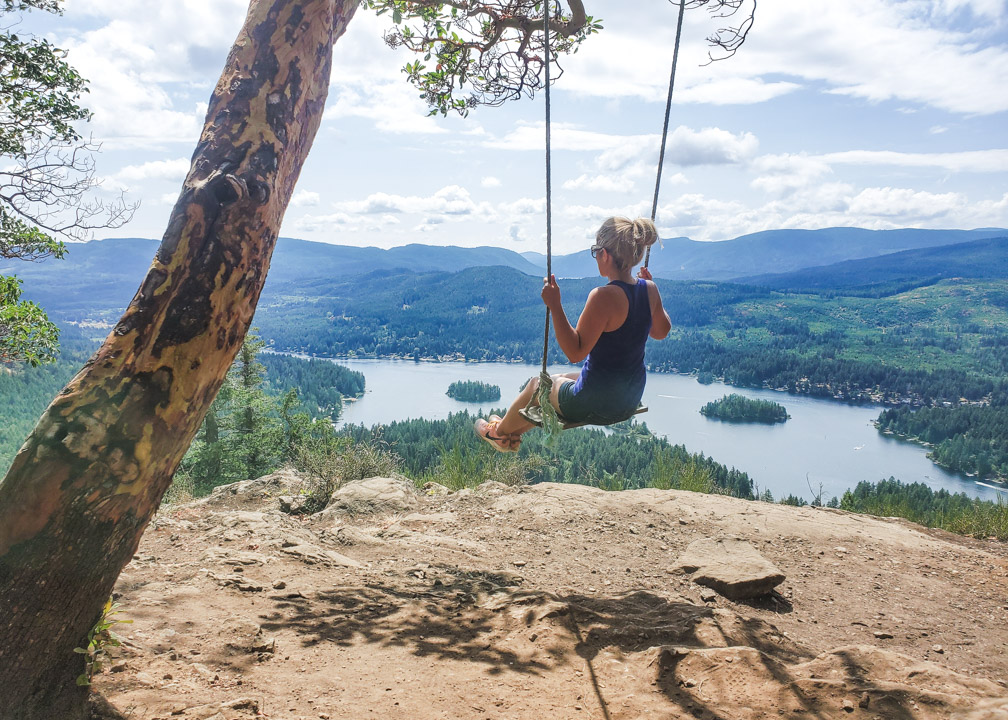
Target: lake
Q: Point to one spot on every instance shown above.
(825, 442)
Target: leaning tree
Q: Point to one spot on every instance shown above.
(87, 481)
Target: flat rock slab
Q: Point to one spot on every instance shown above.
(374, 495)
(730, 566)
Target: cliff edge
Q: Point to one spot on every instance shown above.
(550, 602)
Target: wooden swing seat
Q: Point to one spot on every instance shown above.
(534, 415)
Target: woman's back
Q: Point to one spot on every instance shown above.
(622, 350)
(611, 382)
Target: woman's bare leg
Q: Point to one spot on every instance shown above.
(513, 423)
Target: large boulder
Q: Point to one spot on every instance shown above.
(258, 494)
(731, 566)
(377, 495)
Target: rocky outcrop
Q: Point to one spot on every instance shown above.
(731, 567)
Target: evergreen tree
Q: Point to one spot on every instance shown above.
(242, 436)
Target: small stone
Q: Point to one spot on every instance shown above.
(938, 649)
(882, 635)
(166, 676)
(279, 585)
(519, 563)
(708, 595)
(145, 679)
(293, 504)
(205, 672)
(840, 549)
(848, 706)
(262, 645)
(242, 704)
(864, 701)
(682, 522)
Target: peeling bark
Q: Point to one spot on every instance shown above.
(84, 486)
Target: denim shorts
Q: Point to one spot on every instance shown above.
(602, 404)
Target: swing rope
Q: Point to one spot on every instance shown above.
(545, 412)
(668, 112)
(550, 420)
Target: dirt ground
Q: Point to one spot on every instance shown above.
(551, 601)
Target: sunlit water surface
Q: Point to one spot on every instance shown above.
(825, 442)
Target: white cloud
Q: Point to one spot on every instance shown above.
(367, 82)
(989, 213)
(694, 214)
(904, 205)
(735, 91)
(563, 136)
(175, 170)
(490, 182)
(983, 161)
(786, 173)
(985, 9)
(392, 106)
(710, 146)
(341, 222)
(523, 206)
(142, 60)
(598, 183)
(448, 202)
(684, 147)
(910, 51)
(880, 51)
(305, 198)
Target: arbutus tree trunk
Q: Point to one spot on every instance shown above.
(84, 486)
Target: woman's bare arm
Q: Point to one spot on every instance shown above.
(661, 324)
(577, 342)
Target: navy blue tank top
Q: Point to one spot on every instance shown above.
(618, 356)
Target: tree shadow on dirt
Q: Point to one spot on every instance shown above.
(772, 602)
(487, 619)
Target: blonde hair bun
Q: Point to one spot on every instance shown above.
(626, 240)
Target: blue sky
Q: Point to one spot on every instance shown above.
(870, 113)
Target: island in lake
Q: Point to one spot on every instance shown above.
(738, 408)
(473, 391)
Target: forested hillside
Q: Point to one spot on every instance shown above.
(944, 341)
(25, 391)
(966, 439)
(628, 458)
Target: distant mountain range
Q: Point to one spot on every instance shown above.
(772, 251)
(980, 259)
(105, 274)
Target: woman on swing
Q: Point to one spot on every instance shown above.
(610, 336)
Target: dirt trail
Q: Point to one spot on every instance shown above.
(551, 601)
